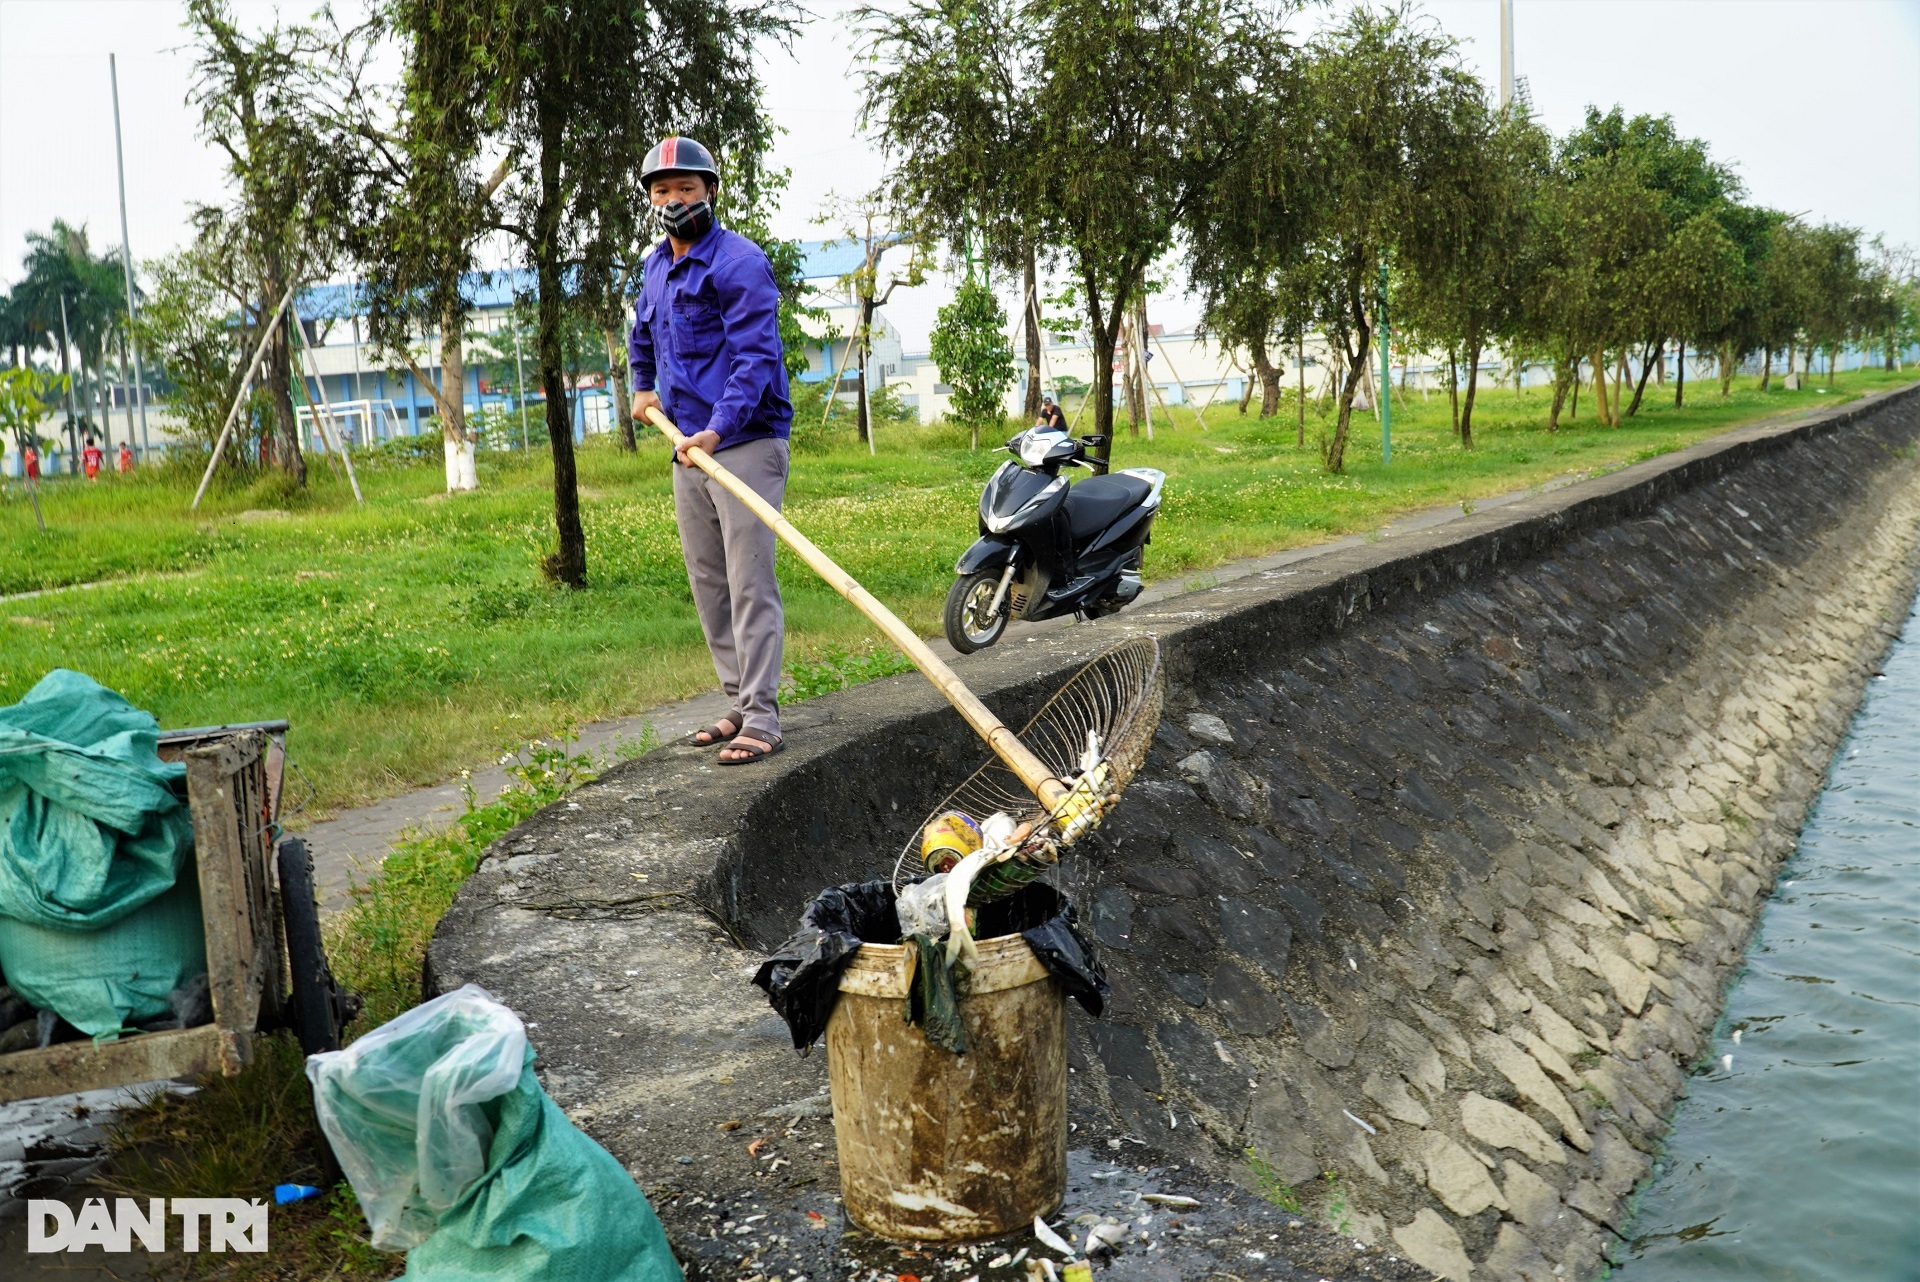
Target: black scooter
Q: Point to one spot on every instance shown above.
(1047, 548)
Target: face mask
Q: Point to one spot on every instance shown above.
(682, 221)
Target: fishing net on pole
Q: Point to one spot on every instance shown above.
(1093, 734)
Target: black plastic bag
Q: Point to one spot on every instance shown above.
(802, 977)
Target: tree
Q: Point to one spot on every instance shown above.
(1132, 116)
(949, 91)
(186, 326)
(1478, 288)
(1247, 235)
(1394, 121)
(266, 102)
(969, 344)
(855, 217)
(1678, 277)
(582, 89)
(27, 398)
(69, 294)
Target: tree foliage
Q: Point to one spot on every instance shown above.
(969, 344)
(572, 94)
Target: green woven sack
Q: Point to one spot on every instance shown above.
(553, 1206)
(92, 823)
(101, 980)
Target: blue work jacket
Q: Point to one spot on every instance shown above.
(706, 336)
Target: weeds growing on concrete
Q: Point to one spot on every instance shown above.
(1268, 1184)
(378, 944)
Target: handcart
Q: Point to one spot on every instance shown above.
(266, 968)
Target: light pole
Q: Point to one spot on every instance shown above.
(126, 260)
(1506, 53)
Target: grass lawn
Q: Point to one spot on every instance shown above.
(413, 636)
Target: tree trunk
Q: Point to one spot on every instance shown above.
(1600, 389)
(100, 397)
(1357, 365)
(1269, 381)
(1246, 397)
(1573, 405)
(617, 375)
(453, 402)
(567, 564)
(1766, 368)
(1453, 385)
(1031, 272)
(1726, 371)
(864, 349)
(279, 377)
(1128, 379)
(1657, 353)
(1560, 384)
(1473, 382)
(1106, 329)
(1680, 376)
(453, 377)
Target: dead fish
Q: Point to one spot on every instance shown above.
(1051, 1240)
(1104, 1237)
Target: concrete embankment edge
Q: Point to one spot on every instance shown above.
(1434, 881)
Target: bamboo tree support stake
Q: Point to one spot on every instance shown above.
(326, 403)
(1185, 395)
(1006, 745)
(240, 397)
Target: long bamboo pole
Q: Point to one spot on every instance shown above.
(1006, 745)
(240, 397)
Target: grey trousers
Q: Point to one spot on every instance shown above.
(729, 556)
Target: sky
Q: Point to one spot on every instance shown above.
(1816, 104)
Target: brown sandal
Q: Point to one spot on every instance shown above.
(773, 746)
(714, 734)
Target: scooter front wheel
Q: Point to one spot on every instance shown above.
(969, 625)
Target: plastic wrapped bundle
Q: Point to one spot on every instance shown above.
(459, 1158)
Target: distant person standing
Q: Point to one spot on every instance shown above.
(706, 352)
(30, 460)
(126, 459)
(90, 459)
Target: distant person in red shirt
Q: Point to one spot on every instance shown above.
(91, 458)
(33, 463)
(126, 460)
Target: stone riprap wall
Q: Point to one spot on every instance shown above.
(1427, 895)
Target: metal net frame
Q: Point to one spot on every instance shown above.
(1116, 698)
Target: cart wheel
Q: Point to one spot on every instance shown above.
(317, 1008)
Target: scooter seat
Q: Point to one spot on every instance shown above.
(1099, 501)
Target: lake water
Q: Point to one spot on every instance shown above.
(1799, 1158)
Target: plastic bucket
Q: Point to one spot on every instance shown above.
(938, 1147)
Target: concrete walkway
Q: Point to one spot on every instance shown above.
(350, 846)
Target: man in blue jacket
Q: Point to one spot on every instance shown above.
(706, 350)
